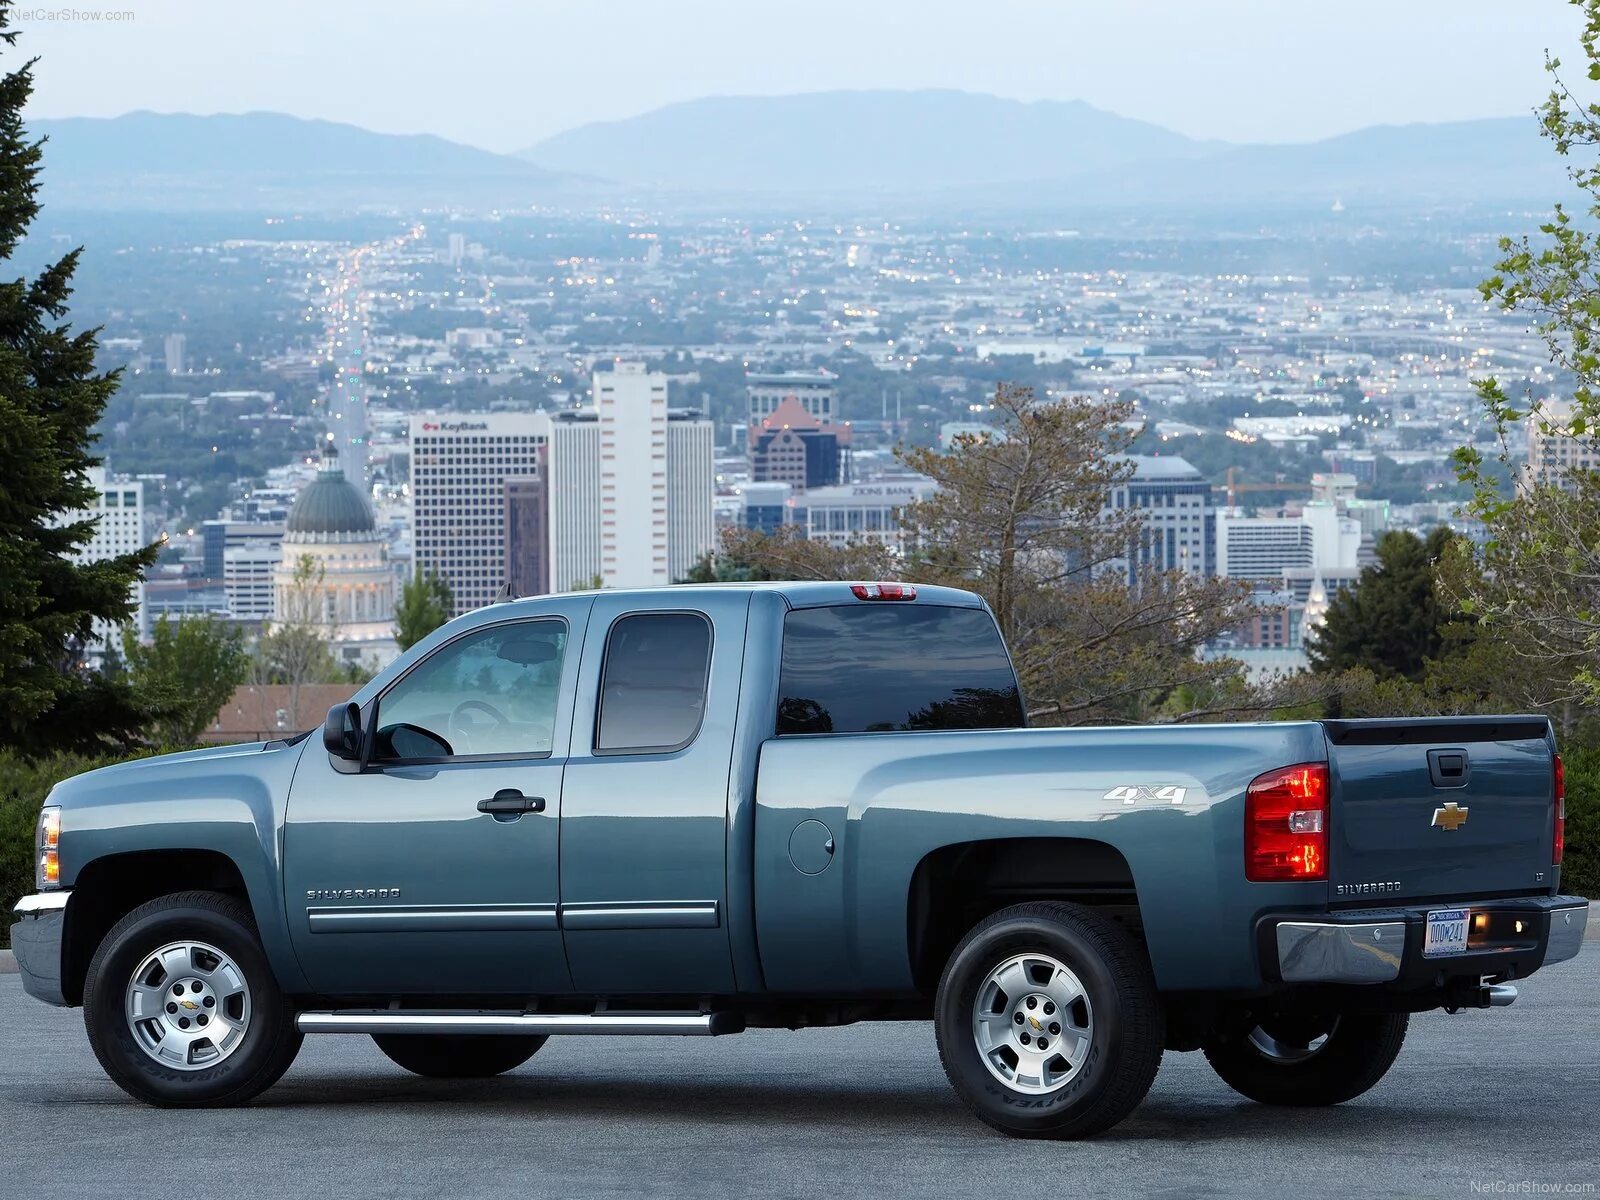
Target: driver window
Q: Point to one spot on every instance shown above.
(492, 692)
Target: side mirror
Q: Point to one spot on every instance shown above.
(341, 732)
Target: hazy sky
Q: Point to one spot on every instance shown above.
(502, 75)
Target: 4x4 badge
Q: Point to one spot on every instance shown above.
(1450, 816)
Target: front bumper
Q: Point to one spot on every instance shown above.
(36, 939)
(1375, 946)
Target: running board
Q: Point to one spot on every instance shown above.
(392, 1020)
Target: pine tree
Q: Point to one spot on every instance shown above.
(425, 604)
(50, 398)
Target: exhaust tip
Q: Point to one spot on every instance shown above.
(1499, 995)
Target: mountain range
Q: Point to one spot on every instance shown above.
(941, 147)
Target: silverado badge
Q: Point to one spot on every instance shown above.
(1451, 816)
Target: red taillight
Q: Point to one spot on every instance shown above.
(1561, 813)
(884, 591)
(1286, 824)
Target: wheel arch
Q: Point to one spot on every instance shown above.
(107, 888)
(955, 886)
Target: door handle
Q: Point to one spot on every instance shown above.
(510, 802)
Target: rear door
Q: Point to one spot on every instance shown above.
(1438, 808)
(644, 819)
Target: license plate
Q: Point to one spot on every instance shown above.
(1447, 932)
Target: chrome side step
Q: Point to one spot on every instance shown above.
(393, 1020)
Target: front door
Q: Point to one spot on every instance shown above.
(644, 823)
(434, 869)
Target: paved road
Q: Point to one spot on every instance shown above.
(1499, 1097)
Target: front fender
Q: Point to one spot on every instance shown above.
(229, 801)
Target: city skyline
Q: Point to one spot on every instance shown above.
(1217, 73)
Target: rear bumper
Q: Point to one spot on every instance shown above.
(1384, 946)
(36, 941)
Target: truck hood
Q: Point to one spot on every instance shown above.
(183, 764)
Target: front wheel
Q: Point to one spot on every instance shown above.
(1309, 1061)
(458, 1056)
(181, 1006)
(1048, 1021)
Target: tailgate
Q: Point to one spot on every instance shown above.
(1440, 807)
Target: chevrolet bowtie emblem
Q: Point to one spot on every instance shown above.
(1034, 1021)
(188, 1004)
(1451, 816)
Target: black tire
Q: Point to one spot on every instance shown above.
(458, 1056)
(1124, 1053)
(270, 1041)
(1359, 1050)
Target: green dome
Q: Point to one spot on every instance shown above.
(329, 504)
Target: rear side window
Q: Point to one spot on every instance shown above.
(653, 685)
(869, 668)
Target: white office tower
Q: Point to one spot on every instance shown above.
(691, 488)
(460, 464)
(631, 406)
(248, 575)
(1265, 547)
(118, 513)
(176, 352)
(572, 472)
(657, 476)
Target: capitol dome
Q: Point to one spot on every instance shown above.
(329, 508)
(335, 574)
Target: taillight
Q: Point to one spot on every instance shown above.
(884, 591)
(1286, 824)
(1561, 813)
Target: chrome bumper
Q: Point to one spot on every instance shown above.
(1566, 933)
(36, 941)
(1316, 952)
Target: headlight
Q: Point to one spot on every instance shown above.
(49, 841)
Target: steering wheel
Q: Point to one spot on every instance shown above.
(461, 731)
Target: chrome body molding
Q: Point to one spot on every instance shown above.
(644, 914)
(1567, 926)
(437, 918)
(43, 902)
(1321, 952)
(390, 1020)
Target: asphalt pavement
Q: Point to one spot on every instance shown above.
(1507, 1099)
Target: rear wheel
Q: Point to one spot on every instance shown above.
(1048, 1021)
(181, 1007)
(1309, 1061)
(457, 1056)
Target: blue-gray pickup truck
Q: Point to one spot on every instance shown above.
(699, 810)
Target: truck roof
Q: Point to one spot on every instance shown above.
(800, 593)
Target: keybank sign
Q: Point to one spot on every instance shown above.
(455, 426)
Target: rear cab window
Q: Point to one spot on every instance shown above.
(653, 683)
(875, 668)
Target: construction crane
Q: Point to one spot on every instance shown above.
(1233, 488)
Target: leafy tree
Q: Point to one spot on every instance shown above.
(297, 649)
(1537, 586)
(425, 604)
(50, 398)
(1393, 620)
(190, 669)
(1022, 516)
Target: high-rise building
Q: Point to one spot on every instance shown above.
(220, 536)
(791, 446)
(1263, 548)
(248, 581)
(527, 537)
(177, 352)
(1554, 453)
(572, 472)
(459, 467)
(1178, 530)
(857, 512)
(813, 390)
(457, 250)
(118, 515)
(691, 487)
